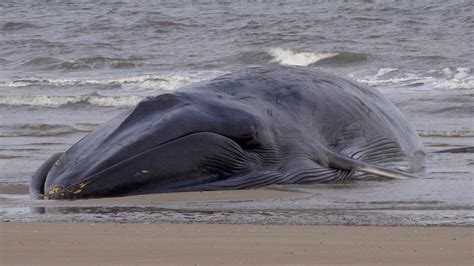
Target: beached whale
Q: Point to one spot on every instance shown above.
(256, 127)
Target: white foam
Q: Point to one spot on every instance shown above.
(379, 78)
(159, 82)
(455, 85)
(135, 84)
(291, 57)
(463, 73)
(43, 130)
(447, 72)
(373, 81)
(56, 101)
(439, 133)
(383, 71)
(14, 84)
(84, 127)
(461, 78)
(170, 82)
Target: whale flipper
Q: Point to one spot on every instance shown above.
(357, 149)
(343, 162)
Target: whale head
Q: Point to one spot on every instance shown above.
(170, 142)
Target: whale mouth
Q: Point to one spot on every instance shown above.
(173, 160)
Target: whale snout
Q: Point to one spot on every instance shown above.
(163, 144)
(175, 165)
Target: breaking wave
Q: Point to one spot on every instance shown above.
(94, 99)
(455, 85)
(91, 63)
(441, 133)
(381, 79)
(158, 82)
(296, 58)
(291, 57)
(460, 78)
(44, 130)
(449, 79)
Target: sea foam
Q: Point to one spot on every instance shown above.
(449, 79)
(445, 133)
(158, 82)
(461, 79)
(57, 101)
(291, 57)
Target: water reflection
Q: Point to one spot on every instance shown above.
(302, 217)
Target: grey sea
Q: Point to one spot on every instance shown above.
(68, 66)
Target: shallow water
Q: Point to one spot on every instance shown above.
(66, 67)
(440, 196)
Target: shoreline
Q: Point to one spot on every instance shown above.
(114, 243)
(318, 205)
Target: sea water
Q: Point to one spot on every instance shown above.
(68, 66)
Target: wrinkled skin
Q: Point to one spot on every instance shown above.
(259, 126)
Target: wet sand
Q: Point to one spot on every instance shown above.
(369, 203)
(74, 244)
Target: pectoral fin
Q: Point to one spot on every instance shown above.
(340, 161)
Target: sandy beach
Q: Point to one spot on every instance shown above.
(226, 227)
(67, 67)
(89, 244)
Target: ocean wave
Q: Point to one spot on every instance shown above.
(441, 133)
(94, 99)
(250, 25)
(451, 79)
(164, 25)
(94, 62)
(459, 79)
(158, 82)
(40, 61)
(292, 57)
(44, 130)
(173, 82)
(97, 62)
(455, 85)
(14, 26)
(371, 19)
(250, 57)
(407, 80)
(344, 58)
(385, 76)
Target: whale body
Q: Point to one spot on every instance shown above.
(255, 127)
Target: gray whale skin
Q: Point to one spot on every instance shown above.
(259, 126)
